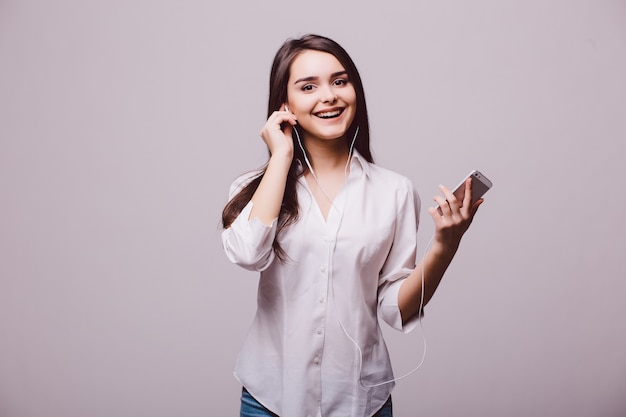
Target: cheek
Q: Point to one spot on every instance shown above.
(350, 98)
(353, 97)
(353, 105)
(298, 105)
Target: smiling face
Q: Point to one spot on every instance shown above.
(320, 94)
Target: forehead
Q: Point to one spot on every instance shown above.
(310, 63)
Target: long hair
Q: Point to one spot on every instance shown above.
(279, 77)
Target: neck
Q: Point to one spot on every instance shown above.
(327, 155)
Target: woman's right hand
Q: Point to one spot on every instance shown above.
(268, 197)
(276, 132)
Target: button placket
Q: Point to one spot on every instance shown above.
(324, 270)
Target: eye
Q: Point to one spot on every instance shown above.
(307, 87)
(340, 82)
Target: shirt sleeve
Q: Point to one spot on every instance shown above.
(248, 242)
(401, 259)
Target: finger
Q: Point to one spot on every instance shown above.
(447, 193)
(288, 128)
(436, 214)
(450, 198)
(443, 206)
(281, 115)
(285, 116)
(475, 208)
(285, 108)
(278, 120)
(467, 198)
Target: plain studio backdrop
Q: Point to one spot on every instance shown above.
(123, 123)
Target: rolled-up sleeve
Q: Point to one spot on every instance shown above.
(389, 310)
(400, 261)
(248, 242)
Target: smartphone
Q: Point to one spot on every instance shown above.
(480, 185)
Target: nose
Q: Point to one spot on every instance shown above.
(328, 95)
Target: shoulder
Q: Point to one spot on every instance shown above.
(395, 186)
(241, 181)
(390, 178)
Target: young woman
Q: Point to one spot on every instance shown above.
(334, 239)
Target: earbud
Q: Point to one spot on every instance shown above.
(287, 109)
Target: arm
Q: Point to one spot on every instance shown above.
(248, 240)
(268, 197)
(450, 225)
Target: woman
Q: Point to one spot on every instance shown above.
(334, 239)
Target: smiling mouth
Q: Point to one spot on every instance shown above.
(329, 114)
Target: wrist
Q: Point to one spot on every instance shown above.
(281, 157)
(279, 163)
(443, 250)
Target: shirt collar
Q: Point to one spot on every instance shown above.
(359, 161)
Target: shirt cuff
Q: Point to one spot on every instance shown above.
(390, 311)
(248, 242)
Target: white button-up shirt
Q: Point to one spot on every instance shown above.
(315, 347)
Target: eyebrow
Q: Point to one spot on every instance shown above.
(333, 75)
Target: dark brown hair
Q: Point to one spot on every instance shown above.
(279, 77)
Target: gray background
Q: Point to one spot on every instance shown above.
(122, 124)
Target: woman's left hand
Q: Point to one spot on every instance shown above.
(453, 217)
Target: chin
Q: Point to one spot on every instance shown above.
(337, 133)
(333, 136)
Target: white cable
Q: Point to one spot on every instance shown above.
(345, 170)
(420, 312)
(332, 288)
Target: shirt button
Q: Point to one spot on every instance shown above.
(319, 330)
(323, 269)
(325, 238)
(321, 300)
(316, 360)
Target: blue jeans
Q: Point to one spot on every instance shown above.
(252, 408)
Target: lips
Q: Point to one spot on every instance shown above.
(329, 114)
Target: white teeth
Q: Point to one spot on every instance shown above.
(329, 114)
